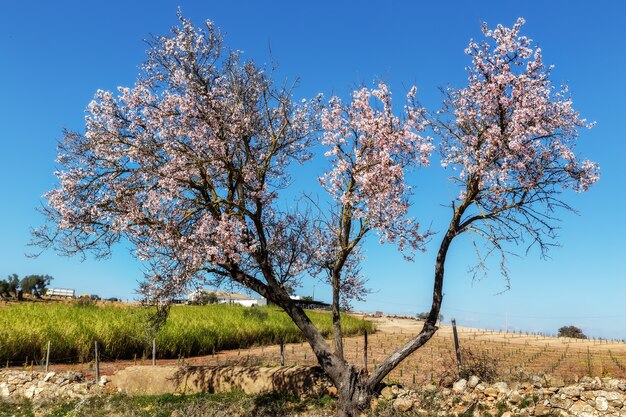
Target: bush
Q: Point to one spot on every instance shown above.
(480, 364)
(204, 299)
(571, 331)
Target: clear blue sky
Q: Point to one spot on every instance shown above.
(54, 55)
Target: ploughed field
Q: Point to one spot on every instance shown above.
(512, 356)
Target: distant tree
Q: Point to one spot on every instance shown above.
(205, 298)
(10, 288)
(35, 284)
(424, 315)
(4, 289)
(571, 331)
(307, 298)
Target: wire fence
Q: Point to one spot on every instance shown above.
(512, 354)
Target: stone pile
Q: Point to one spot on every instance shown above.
(538, 396)
(16, 386)
(590, 397)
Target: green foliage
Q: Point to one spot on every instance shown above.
(4, 289)
(13, 287)
(35, 284)
(10, 287)
(122, 332)
(571, 331)
(205, 298)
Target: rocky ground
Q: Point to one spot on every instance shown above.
(546, 395)
(590, 397)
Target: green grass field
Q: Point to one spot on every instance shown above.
(123, 332)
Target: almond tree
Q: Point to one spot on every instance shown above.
(188, 166)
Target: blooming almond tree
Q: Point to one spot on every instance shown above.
(188, 165)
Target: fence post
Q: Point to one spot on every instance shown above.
(282, 352)
(456, 344)
(47, 356)
(97, 362)
(365, 350)
(154, 352)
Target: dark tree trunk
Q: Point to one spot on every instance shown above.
(353, 393)
(337, 333)
(430, 326)
(355, 387)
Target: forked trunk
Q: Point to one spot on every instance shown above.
(353, 394)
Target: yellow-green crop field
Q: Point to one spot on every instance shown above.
(123, 332)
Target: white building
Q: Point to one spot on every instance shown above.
(60, 292)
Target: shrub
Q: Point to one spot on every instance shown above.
(480, 364)
(205, 298)
(571, 331)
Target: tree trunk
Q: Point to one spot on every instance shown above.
(353, 395)
(337, 333)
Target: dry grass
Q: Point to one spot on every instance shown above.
(517, 355)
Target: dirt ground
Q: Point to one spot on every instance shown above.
(513, 354)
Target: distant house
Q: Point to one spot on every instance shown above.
(224, 297)
(60, 292)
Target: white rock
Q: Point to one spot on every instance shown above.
(4, 390)
(582, 409)
(502, 387)
(403, 404)
(602, 404)
(48, 376)
(560, 401)
(473, 381)
(571, 391)
(30, 392)
(459, 386)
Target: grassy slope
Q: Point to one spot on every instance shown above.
(199, 405)
(124, 331)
